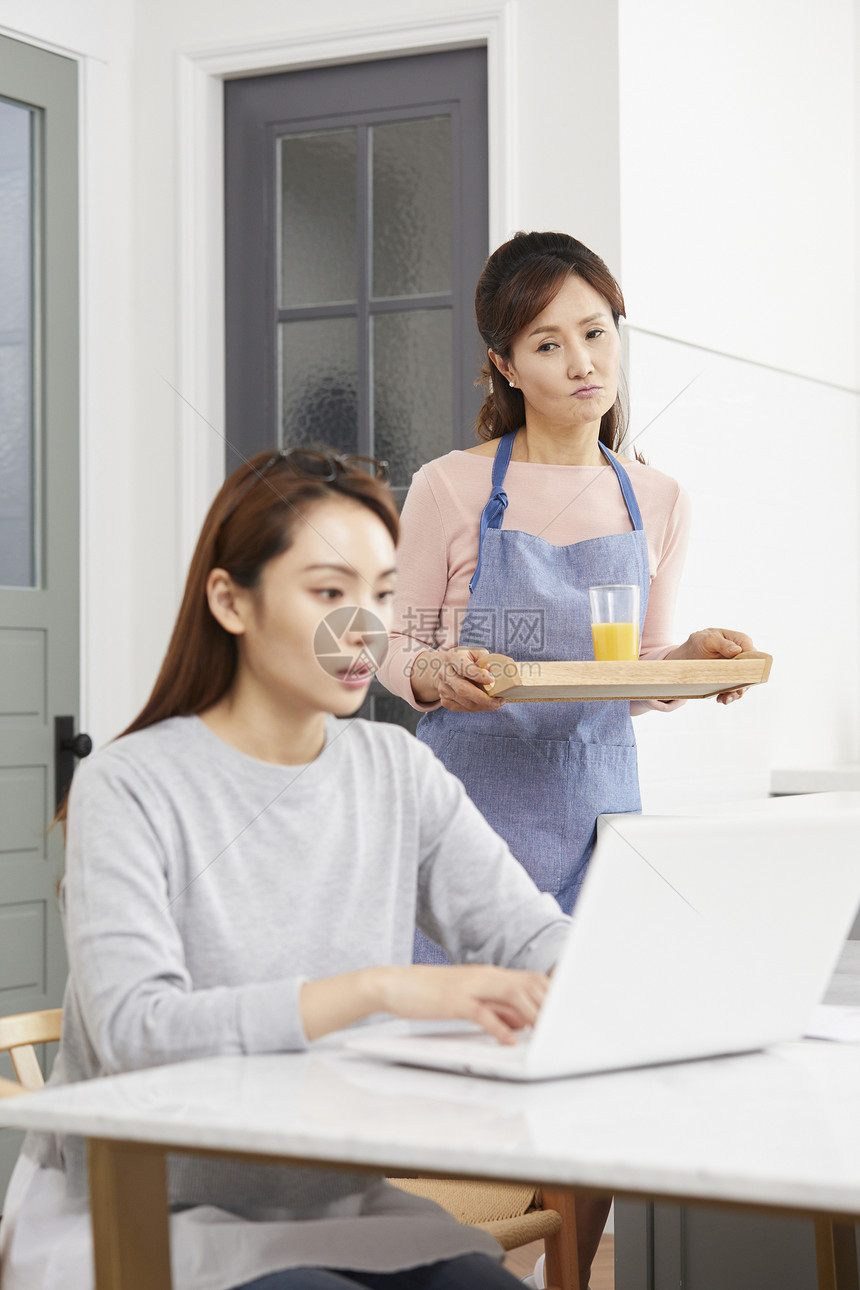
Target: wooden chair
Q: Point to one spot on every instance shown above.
(514, 1214)
(18, 1034)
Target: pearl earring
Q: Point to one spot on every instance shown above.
(511, 384)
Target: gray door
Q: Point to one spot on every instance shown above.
(38, 511)
(671, 1247)
(356, 229)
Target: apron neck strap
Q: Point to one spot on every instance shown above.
(626, 488)
(502, 459)
(491, 516)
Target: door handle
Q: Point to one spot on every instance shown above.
(67, 747)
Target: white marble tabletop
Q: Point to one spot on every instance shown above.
(779, 1128)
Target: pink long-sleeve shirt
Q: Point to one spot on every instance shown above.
(438, 547)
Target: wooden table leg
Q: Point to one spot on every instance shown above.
(561, 1271)
(128, 1199)
(836, 1255)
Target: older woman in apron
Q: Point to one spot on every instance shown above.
(542, 772)
(499, 545)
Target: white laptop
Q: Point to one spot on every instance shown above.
(693, 936)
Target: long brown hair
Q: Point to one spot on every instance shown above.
(518, 282)
(251, 521)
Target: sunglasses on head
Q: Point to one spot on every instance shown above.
(311, 464)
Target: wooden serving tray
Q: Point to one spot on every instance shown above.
(639, 679)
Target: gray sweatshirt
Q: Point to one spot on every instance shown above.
(203, 887)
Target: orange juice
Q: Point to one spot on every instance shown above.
(615, 641)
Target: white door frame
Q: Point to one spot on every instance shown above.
(200, 252)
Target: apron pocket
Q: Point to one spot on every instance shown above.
(520, 786)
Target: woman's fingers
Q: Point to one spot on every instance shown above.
(497, 1020)
(712, 642)
(739, 638)
(511, 1017)
(474, 666)
(729, 696)
(517, 1014)
(719, 642)
(722, 642)
(463, 680)
(490, 1021)
(457, 699)
(456, 677)
(513, 998)
(727, 643)
(500, 1000)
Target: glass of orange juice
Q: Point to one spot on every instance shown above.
(615, 621)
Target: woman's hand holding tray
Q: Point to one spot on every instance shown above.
(538, 682)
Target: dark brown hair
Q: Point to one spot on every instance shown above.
(250, 522)
(518, 282)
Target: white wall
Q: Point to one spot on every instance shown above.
(739, 238)
(774, 551)
(98, 33)
(738, 163)
(92, 28)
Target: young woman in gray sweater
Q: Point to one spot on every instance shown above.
(240, 862)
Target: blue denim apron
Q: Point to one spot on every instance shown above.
(541, 773)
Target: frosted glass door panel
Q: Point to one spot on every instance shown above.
(412, 390)
(317, 218)
(17, 438)
(412, 230)
(319, 383)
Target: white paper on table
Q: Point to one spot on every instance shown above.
(835, 1021)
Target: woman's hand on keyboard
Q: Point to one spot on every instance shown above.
(500, 1000)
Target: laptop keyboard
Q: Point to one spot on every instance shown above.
(480, 1041)
(460, 1048)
